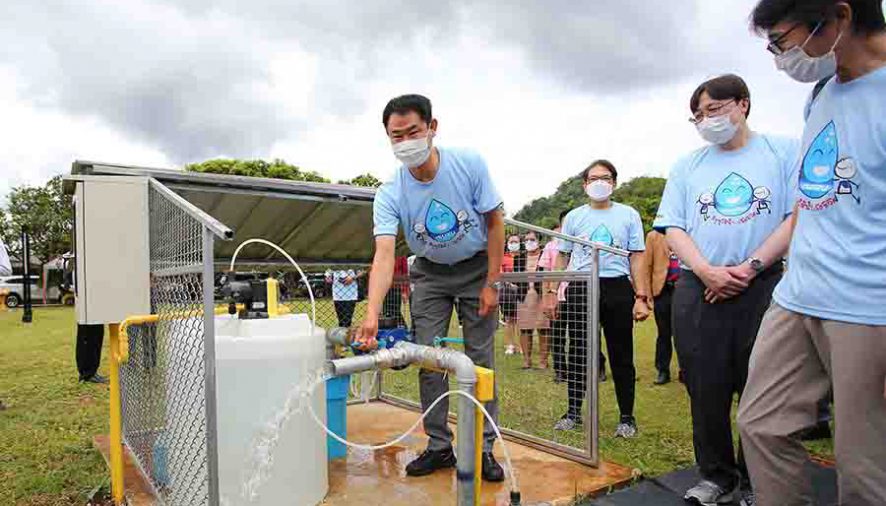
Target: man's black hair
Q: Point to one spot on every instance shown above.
(405, 104)
(602, 163)
(563, 215)
(867, 15)
(727, 86)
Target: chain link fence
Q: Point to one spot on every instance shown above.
(168, 383)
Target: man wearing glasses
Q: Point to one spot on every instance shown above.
(731, 255)
(827, 325)
(616, 225)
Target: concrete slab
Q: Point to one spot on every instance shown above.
(380, 478)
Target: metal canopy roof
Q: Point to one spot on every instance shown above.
(313, 222)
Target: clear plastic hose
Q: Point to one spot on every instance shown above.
(512, 476)
(294, 264)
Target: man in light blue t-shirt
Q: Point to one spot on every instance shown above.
(444, 202)
(619, 226)
(827, 326)
(725, 211)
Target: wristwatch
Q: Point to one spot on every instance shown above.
(756, 264)
(644, 298)
(495, 285)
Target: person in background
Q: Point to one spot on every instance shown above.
(5, 270)
(344, 293)
(621, 302)
(664, 270)
(827, 325)
(509, 294)
(88, 352)
(553, 304)
(445, 203)
(530, 313)
(731, 258)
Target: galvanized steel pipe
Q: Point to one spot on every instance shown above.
(455, 362)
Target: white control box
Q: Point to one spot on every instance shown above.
(112, 245)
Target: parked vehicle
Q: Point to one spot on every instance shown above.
(16, 288)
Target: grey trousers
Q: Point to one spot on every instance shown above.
(794, 362)
(436, 288)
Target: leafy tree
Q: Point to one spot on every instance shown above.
(641, 193)
(367, 180)
(46, 212)
(277, 169)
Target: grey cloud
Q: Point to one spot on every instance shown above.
(186, 76)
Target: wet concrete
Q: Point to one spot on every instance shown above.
(366, 478)
(379, 478)
(138, 491)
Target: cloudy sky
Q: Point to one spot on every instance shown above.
(540, 88)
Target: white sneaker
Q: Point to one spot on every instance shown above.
(626, 430)
(509, 349)
(708, 493)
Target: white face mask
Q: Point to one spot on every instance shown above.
(531, 245)
(717, 130)
(513, 247)
(413, 152)
(599, 190)
(801, 67)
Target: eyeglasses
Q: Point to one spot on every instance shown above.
(774, 46)
(713, 111)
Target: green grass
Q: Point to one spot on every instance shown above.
(46, 454)
(46, 457)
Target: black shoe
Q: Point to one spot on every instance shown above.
(492, 470)
(821, 430)
(663, 378)
(429, 461)
(602, 375)
(95, 378)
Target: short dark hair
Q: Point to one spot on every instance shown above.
(867, 15)
(563, 215)
(405, 104)
(727, 86)
(602, 163)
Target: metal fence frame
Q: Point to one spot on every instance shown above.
(187, 261)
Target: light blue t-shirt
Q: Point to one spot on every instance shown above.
(340, 290)
(837, 261)
(618, 226)
(729, 202)
(443, 220)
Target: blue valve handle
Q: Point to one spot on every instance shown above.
(387, 338)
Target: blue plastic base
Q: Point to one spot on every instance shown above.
(337, 415)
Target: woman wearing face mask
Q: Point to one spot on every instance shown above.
(530, 313)
(730, 253)
(623, 293)
(508, 295)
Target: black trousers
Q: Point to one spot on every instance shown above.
(664, 347)
(558, 339)
(344, 310)
(88, 351)
(617, 320)
(714, 343)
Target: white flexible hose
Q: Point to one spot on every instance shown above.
(512, 477)
(294, 264)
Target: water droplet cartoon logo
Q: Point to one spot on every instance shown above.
(441, 222)
(602, 235)
(734, 196)
(817, 171)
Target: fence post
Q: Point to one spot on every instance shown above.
(116, 416)
(209, 365)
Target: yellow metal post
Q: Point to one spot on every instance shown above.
(273, 303)
(116, 416)
(484, 392)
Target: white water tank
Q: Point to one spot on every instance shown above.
(259, 363)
